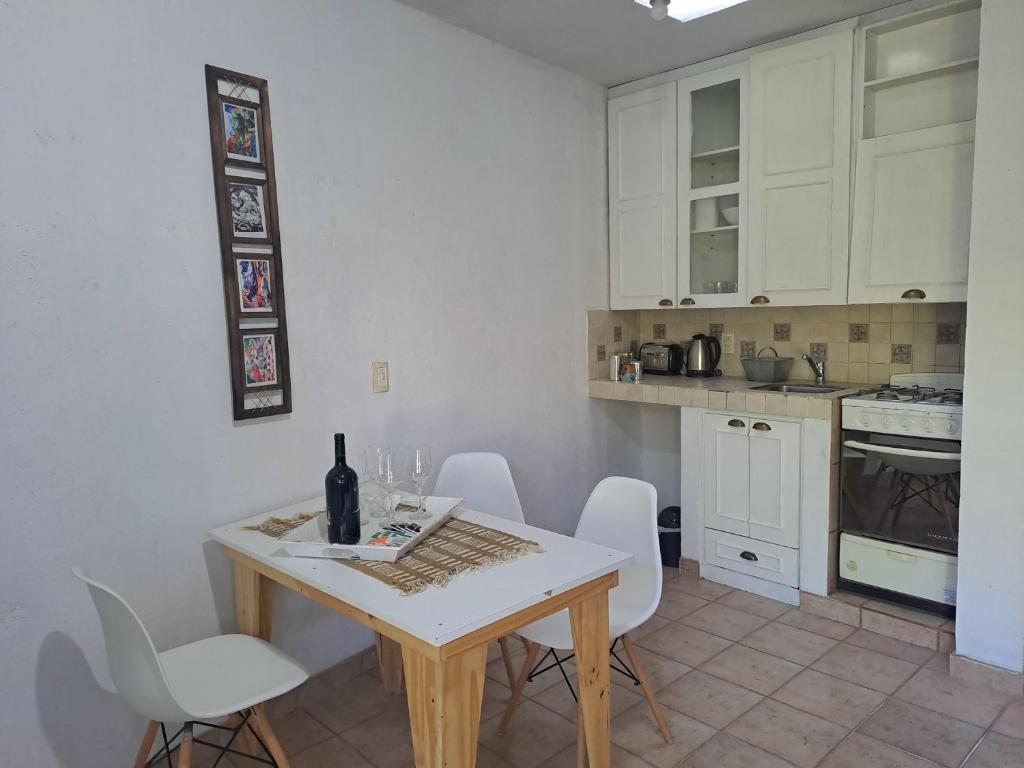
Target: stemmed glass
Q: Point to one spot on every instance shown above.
(375, 473)
(420, 469)
(390, 478)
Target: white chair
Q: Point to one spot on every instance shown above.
(484, 481)
(222, 676)
(621, 513)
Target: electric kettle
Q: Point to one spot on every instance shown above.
(702, 356)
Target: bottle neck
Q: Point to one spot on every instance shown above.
(339, 449)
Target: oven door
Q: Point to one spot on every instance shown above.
(901, 489)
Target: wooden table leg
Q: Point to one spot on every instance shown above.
(445, 698)
(254, 602)
(389, 657)
(589, 619)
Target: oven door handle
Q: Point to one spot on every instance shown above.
(892, 450)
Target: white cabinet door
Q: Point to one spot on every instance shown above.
(912, 215)
(775, 482)
(642, 198)
(726, 473)
(799, 215)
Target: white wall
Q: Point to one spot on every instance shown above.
(990, 602)
(442, 204)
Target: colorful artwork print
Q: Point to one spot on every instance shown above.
(259, 356)
(248, 212)
(241, 136)
(254, 290)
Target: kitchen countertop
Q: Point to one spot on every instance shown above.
(726, 392)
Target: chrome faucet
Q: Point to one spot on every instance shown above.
(818, 366)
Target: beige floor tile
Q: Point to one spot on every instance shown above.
(496, 698)
(863, 667)
(915, 654)
(558, 699)
(660, 670)
(567, 759)
(796, 736)
(333, 753)
(860, 751)
(1011, 723)
(534, 735)
(384, 740)
(708, 699)
(298, 731)
(751, 669)
(976, 704)
(636, 732)
(340, 705)
(724, 621)
(997, 751)
(902, 612)
(675, 604)
(789, 643)
(829, 697)
(939, 738)
(751, 603)
(725, 751)
(487, 759)
(653, 624)
(817, 624)
(685, 644)
(709, 590)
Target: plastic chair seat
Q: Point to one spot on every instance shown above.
(221, 675)
(629, 606)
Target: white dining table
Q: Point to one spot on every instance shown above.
(437, 639)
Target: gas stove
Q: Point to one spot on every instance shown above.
(915, 404)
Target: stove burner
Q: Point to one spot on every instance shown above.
(887, 396)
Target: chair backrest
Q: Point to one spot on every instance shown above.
(132, 657)
(484, 481)
(622, 514)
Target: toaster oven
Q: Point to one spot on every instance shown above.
(662, 359)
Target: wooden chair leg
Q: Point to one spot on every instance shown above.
(244, 742)
(645, 684)
(147, 744)
(185, 751)
(581, 740)
(506, 655)
(263, 728)
(533, 650)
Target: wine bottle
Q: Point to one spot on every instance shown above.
(342, 498)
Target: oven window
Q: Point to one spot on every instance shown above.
(901, 489)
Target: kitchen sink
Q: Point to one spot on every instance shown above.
(797, 389)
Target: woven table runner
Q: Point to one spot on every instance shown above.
(455, 547)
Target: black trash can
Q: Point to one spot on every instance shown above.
(668, 536)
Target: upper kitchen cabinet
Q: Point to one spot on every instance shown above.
(912, 203)
(642, 198)
(712, 128)
(800, 102)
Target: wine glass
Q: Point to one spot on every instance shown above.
(375, 472)
(390, 478)
(420, 470)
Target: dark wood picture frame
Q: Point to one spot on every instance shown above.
(243, 335)
(267, 238)
(223, 169)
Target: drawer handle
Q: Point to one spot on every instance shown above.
(736, 423)
(749, 556)
(914, 293)
(665, 303)
(687, 302)
(760, 299)
(760, 426)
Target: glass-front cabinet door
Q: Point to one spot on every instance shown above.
(712, 133)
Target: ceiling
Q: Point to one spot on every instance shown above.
(615, 41)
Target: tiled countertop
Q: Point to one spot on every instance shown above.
(726, 392)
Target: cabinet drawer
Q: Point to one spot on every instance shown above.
(755, 558)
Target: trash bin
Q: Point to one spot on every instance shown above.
(668, 536)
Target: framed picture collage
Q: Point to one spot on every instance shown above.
(246, 193)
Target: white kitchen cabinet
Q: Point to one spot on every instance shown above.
(799, 174)
(912, 216)
(751, 477)
(642, 198)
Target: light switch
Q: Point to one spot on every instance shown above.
(728, 343)
(380, 377)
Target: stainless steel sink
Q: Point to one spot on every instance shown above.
(797, 389)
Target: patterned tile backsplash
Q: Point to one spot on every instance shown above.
(861, 343)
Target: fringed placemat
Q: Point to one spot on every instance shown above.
(456, 547)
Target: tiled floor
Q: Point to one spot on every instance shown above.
(745, 682)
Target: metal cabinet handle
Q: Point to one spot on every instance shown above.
(736, 423)
(665, 303)
(760, 299)
(760, 426)
(687, 302)
(749, 556)
(913, 293)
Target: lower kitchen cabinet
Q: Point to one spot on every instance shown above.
(752, 557)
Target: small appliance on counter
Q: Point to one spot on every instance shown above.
(702, 356)
(662, 359)
(770, 369)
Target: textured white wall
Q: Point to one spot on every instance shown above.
(990, 600)
(442, 205)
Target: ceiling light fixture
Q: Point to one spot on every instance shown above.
(659, 9)
(685, 10)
